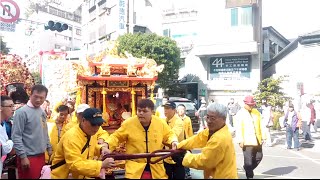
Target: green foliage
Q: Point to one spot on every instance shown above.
(3, 48)
(162, 49)
(37, 78)
(271, 90)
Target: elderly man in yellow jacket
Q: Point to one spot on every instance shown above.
(174, 170)
(217, 157)
(102, 135)
(143, 133)
(78, 147)
(249, 135)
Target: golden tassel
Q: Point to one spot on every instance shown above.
(133, 104)
(105, 115)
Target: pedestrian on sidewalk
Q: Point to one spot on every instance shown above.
(306, 121)
(267, 121)
(201, 114)
(249, 135)
(292, 130)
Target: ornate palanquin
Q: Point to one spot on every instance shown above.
(114, 85)
(13, 71)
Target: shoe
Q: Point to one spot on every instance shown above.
(298, 149)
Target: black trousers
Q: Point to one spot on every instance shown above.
(252, 157)
(174, 171)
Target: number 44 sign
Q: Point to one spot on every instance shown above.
(217, 62)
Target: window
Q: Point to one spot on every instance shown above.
(66, 38)
(78, 32)
(241, 16)
(234, 17)
(56, 46)
(53, 11)
(166, 32)
(70, 28)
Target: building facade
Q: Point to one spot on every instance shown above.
(226, 53)
(298, 64)
(40, 39)
(107, 20)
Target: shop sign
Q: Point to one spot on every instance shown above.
(230, 68)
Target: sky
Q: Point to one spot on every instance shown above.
(290, 18)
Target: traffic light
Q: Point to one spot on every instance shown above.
(56, 26)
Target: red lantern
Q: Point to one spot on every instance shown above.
(52, 52)
(40, 53)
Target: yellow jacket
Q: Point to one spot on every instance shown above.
(244, 120)
(177, 126)
(100, 134)
(54, 138)
(188, 131)
(80, 165)
(217, 157)
(138, 141)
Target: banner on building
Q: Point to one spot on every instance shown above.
(230, 68)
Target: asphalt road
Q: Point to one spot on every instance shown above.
(280, 163)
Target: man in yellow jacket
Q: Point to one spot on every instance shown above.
(143, 133)
(102, 135)
(217, 157)
(174, 170)
(78, 147)
(188, 131)
(57, 129)
(249, 135)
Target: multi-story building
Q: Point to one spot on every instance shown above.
(107, 20)
(226, 53)
(38, 39)
(41, 39)
(273, 43)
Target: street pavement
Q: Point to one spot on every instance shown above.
(279, 162)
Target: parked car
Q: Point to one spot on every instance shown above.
(190, 110)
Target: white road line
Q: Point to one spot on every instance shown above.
(306, 157)
(287, 157)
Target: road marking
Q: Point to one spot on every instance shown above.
(271, 175)
(288, 157)
(306, 157)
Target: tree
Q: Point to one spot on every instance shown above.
(36, 77)
(271, 90)
(162, 49)
(4, 49)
